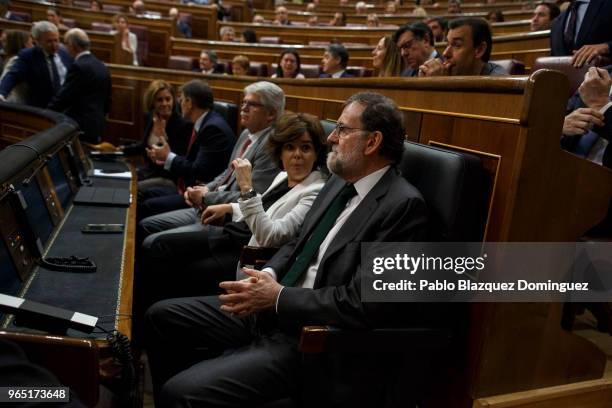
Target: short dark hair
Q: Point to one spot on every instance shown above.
(419, 31)
(381, 114)
(249, 36)
(338, 50)
(481, 31)
(291, 126)
(553, 9)
(443, 23)
(199, 92)
(292, 51)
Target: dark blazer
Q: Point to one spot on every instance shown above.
(31, 67)
(595, 28)
(344, 75)
(393, 211)
(85, 96)
(209, 154)
(409, 72)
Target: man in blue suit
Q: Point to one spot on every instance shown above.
(85, 95)
(583, 30)
(207, 155)
(334, 62)
(43, 67)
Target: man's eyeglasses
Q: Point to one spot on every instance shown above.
(343, 131)
(251, 104)
(406, 45)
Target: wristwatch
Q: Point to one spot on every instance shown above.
(248, 195)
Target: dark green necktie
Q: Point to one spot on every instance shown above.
(327, 221)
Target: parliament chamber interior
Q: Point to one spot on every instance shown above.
(116, 115)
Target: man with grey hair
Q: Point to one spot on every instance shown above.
(241, 348)
(43, 67)
(334, 62)
(227, 33)
(85, 95)
(208, 63)
(263, 103)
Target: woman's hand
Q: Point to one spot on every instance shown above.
(214, 214)
(242, 169)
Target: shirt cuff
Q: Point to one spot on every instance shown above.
(236, 213)
(169, 160)
(605, 107)
(278, 297)
(271, 272)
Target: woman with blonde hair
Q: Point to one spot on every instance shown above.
(240, 65)
(387, 59)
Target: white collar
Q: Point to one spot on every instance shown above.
(198, 123)
(80, 54)
(338, 74)
(367, 183)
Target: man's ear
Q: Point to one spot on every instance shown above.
(373, 143)
(271, 114)
(480, 50)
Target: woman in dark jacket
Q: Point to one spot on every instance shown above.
(161, 118)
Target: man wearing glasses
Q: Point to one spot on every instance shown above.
(241, 348)
(415, 43)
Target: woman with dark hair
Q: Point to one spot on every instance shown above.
(260, 219)
(163, 124)
(288, 65)
(129, 41)
(495, 16)
(14, 41)
(248, 36)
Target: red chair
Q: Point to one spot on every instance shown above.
(181, 62)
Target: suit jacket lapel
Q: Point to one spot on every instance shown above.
(355, 222)
(250, 154)
(588, 20)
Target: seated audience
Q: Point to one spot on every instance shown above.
(262, 104)
(259, 19)
(282, 16)
(208, 63)
(268, 219)
(587, 128)
(208, 150)
(339, 20)
(438, 28)
(5, 13)
(543, 16)
(361, 8)
(454, 7)
(163, 124)
(248, 36)
(138, 8)
(334, 62)
(583, 44)
(467, 53)
(313, 21)
(372, 20)
(54, 16)
(43, 67)
(495, 16)
(240, 65)
(182, 26)
(387, 59)
(13, 41)
(390, 7)
(416, 46)
(259, 364)
(288, 65)
(227, 33)
(419, 12)
(86, 93)
(95, 5)
(129, 41)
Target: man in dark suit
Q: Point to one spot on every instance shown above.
(213, 352)
(208, 63)
(587, 129)
(583, 30)
(416, 45)
(208, 151)
(43, 67)
(85, 95)
(334, 62)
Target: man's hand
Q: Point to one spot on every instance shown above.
(258, 292)
(434, 67)
(595, 89)
(243, 172)
(195, 195)
(214, 214)
(586, 53)
(581, 121)
(159, 154)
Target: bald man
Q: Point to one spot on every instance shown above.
(85, 95)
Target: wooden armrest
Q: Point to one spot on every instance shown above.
(319, 339)
(256, 257)
(74, 361)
